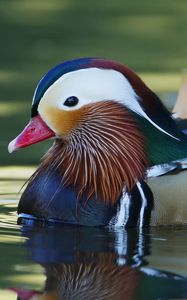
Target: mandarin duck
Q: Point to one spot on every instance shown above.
(110, 133)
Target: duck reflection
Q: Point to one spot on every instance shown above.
(97, 263)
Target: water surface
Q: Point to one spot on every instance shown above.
(68, 262)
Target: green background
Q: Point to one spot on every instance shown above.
(148, 36)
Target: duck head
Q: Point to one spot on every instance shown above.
(90, 106)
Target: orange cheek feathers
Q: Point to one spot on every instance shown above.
(62, 122)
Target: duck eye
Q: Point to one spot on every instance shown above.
(71, 101)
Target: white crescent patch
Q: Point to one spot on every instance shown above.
(93, 85)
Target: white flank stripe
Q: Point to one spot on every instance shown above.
(144, 204)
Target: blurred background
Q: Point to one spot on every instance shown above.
(38, 34)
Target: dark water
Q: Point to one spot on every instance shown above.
(39, 262)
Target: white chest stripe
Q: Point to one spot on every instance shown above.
(122, 214)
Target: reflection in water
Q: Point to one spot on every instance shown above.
(87, 263)
(96, 263)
